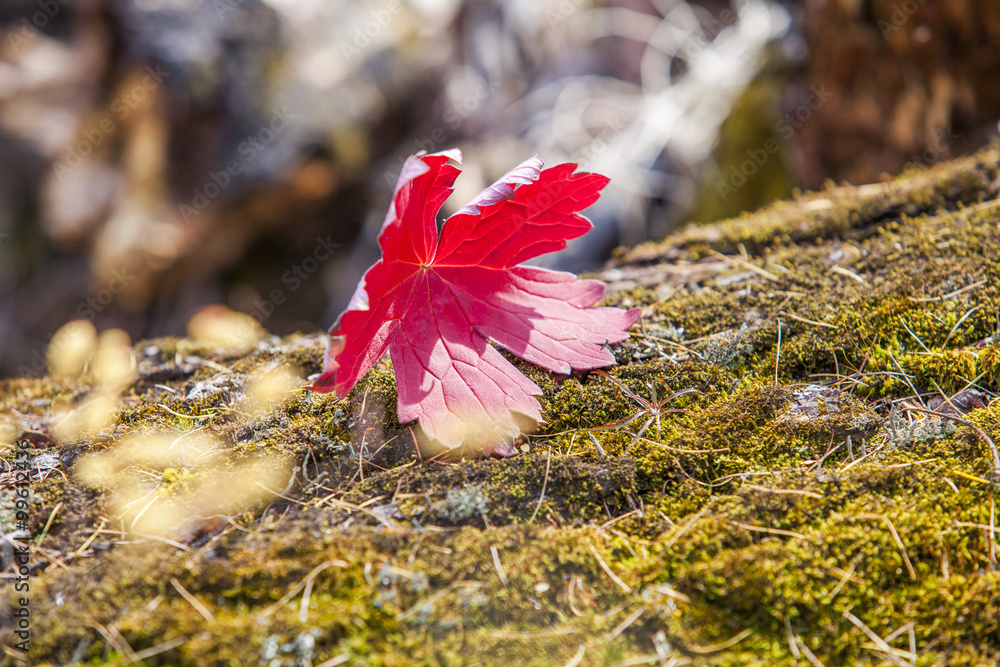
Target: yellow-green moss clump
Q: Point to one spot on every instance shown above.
(753, 484)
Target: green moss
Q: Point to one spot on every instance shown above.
(792, 497)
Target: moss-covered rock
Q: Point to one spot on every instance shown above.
(757, 482)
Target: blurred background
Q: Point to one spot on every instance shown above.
(157, 156)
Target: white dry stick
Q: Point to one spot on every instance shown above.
(496, 563)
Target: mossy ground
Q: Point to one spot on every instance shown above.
(761, 520)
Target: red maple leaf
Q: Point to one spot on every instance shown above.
(435, 302)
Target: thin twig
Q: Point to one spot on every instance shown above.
(797, 318)
(48, 524)
(915, 337)
(777, 356)
(790, 638)
(165, 540)
(199, 607)
(844, 579)
(810, 656)
(889, 652)
(850, 274)
(310, 580)
(497, 564)
(335, 660)
(343, 504)
(798, 492)
(115, 639)
(299, 586)
(684, 451)
(950, 294)
(545, 483)
(721, 646)
(762, 529)
(687, 524)
(624, 625)
(532, 634)
(604, 566)
(982, 434)
(745, 263)
(577, 657)
(427, 602)
(162, 647)
(895, 537)
(958, 324)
